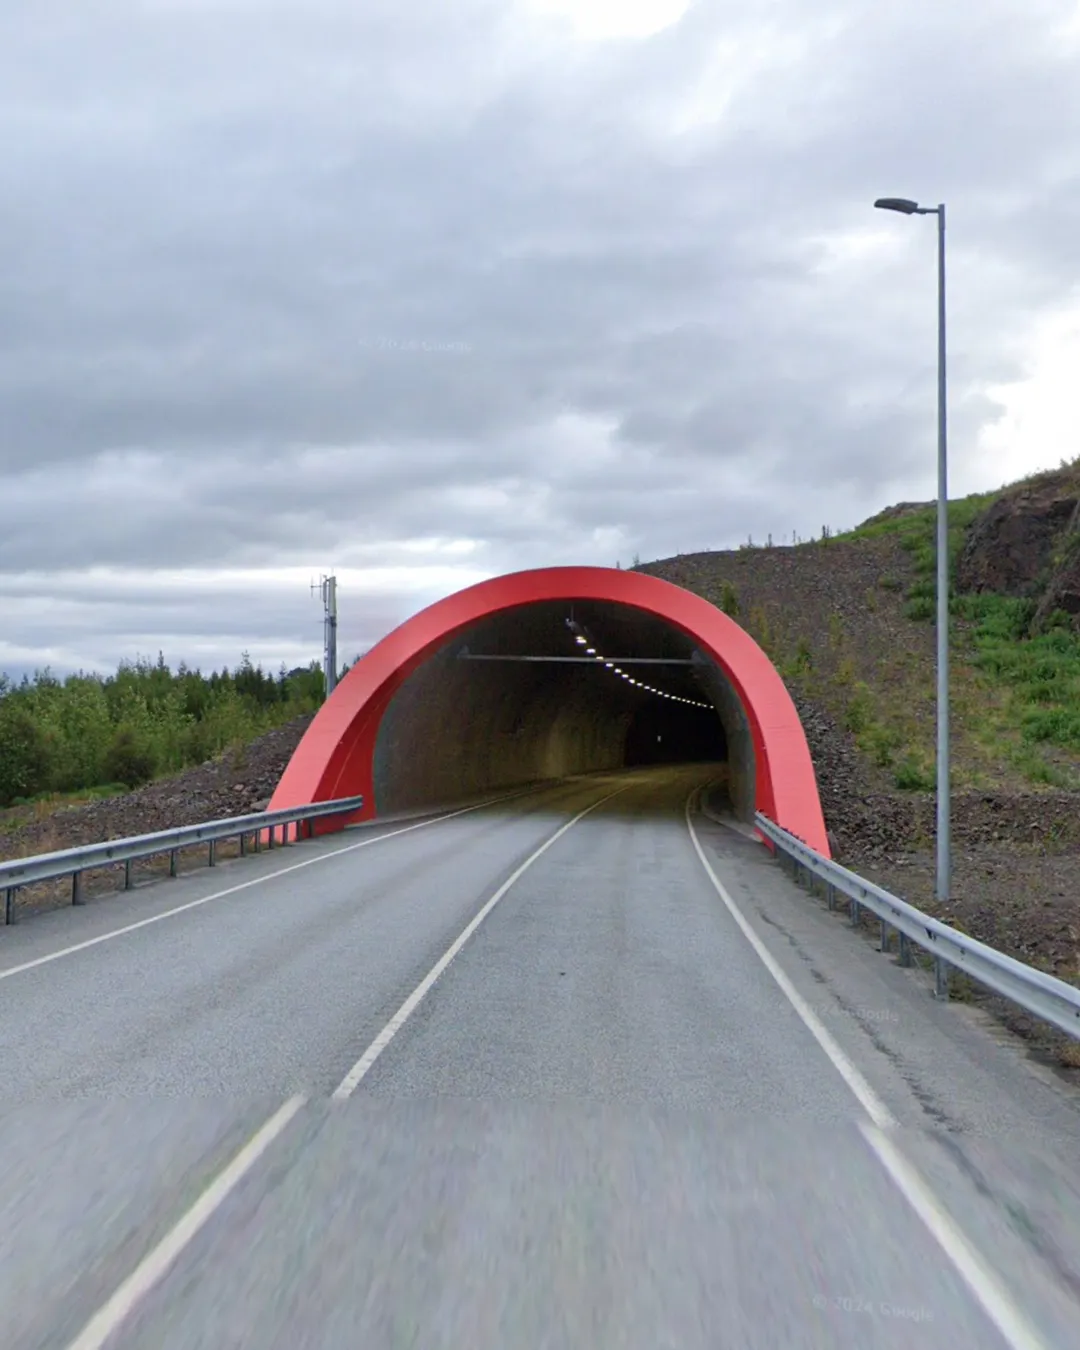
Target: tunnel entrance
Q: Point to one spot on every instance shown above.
(488, 687)
(551, 690)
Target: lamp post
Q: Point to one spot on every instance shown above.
(909, 208)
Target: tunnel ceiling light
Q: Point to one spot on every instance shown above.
(581, 638)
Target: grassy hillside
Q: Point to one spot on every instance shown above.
(1016, 694)
(848, 619)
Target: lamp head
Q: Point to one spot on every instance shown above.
(900, 204)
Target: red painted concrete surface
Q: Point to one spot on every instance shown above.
(335, 757)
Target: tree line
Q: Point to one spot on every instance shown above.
(88, 731)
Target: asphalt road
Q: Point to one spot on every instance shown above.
(519, 1077)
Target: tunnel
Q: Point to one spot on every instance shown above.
(543, 675)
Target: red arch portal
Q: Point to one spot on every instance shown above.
(335, 757)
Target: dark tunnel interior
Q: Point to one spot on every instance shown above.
(663, 733)
(551, 690)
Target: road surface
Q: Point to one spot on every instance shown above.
(580, 1069)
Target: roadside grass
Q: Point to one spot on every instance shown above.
(1015, 694)
(25, 810)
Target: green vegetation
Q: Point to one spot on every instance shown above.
(1040, 674)
(1023, 698)
(89, 735)
(729, 600)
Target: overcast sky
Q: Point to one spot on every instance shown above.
(422, 292)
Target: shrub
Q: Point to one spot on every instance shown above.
(1060, 725)
(920, 609)
(880, 742)
(128, 762)
(860, 709)
(913, 776)
(26, 754)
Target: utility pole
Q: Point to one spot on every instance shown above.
(328, 595)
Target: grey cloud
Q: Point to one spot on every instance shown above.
(220, 214)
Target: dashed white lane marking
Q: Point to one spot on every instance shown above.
(352, 1079)
(110, 1316)
(153, 1266)
(245, 885)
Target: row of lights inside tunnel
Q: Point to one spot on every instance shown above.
(638, 684)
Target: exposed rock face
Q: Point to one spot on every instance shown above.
(1017, 545)
(1063, 591)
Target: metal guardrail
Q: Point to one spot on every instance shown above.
(72, 862)
(1045, 996)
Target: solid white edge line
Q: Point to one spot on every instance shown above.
(245, 885)
(871, 1103)
(154, 1265)
(353, 1078)
(969, 1265)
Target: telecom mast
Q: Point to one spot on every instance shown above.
(328, 594)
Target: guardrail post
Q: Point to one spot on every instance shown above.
(905, 950)
(76, 889)
(9, 905)
(127, 874)
(270, 837)
(856, 912)
(243, 844)
(212, 858)
(884, 936)
(830, 895)
(172, 862)
(941, 979)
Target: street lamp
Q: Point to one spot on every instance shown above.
(909, 208)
